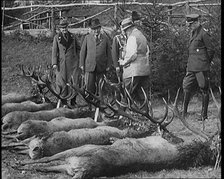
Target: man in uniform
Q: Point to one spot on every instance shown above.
(201, 52)
(118, 51)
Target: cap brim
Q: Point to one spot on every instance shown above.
(126, 27)
(62, 26)
(95, 27)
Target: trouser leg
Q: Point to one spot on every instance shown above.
(187, 96)
(189, 85)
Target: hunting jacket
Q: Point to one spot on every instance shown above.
(140, 66)
(201, 51)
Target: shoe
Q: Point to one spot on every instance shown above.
(202, 118)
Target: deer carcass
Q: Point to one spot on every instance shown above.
(60, 141)
(30, 128)
(25, 106)
(13, 119)
(18, 98)
(125, 155)
(128, 155)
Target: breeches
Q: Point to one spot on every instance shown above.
(196, 79)
(134, 84)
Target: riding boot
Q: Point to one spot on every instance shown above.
(204, 110)
(187, 96)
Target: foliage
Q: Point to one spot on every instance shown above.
(169, 51)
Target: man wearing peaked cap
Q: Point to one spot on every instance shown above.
(136, 67)
(201, 52)
(65, 60)
(190, 18)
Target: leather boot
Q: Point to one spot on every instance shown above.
(187, 96)
(204, 110)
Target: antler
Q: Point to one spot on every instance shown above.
(218, 107)
(198, 132)
(98, 101)
(29, 74)
(52, 89)
(148, 113)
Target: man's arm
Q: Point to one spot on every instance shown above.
(115, 52)
(55, 53)
(209, 46)
(83, 52)
(109, 56)
(131, 52)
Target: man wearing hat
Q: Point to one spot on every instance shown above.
(65, 59)
(136, 67)
(201, 52)
(118, 51)
(95, 56)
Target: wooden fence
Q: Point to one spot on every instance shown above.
(47, 22)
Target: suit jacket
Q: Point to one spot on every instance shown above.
(95, 54)
(65, 54)
(201, 51)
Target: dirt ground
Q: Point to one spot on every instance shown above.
(9, 158)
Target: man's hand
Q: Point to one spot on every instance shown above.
(55, 67)
(107, 69)
(118, 70)
(82, 69)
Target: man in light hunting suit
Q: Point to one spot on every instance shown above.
(136, 67)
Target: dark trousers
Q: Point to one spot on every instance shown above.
(134, 85)
(92, 80)
(191, 81)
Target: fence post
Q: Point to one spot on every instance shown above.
(3, 15)
(169, 15)
(53, 30)
(187, 7)
(115, 15)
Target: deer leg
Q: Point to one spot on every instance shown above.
(58, 168)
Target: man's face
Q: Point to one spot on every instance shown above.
(192, 25)
(63, 29)
(138, 22)
(96, 31)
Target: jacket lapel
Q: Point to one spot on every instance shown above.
(64, 42)
(195, 34)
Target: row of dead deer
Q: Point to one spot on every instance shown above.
(60, 141)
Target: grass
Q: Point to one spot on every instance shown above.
(16, 51)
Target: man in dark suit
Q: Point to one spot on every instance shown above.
(65, 59)
(201, 52)
(95, 56)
